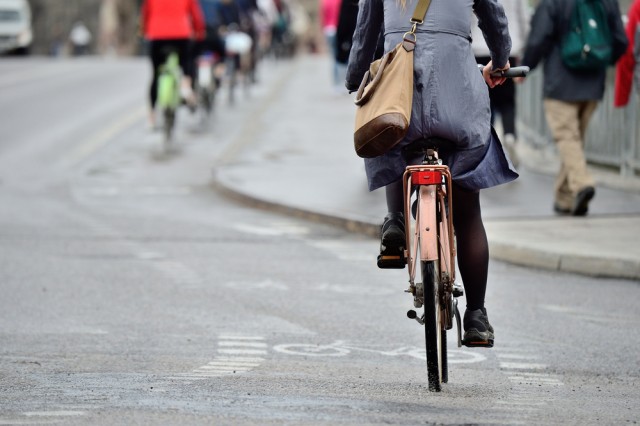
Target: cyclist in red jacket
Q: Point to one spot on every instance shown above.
(171, 25)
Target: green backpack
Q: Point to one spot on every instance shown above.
(587, 44)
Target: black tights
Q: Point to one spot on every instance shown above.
(471, 239)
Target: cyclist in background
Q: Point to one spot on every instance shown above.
(212, 42)
(170, 25)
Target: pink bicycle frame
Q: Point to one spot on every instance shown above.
(434, 240)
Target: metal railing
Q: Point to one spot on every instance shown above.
(613, 136)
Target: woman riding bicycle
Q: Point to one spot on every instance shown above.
(171, 25)
(450, 101)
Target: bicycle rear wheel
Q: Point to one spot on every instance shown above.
(168, 125)
(435, 338)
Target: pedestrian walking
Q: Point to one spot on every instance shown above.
(330, 12)
(628, 68)
(503, 97)
(450, 101)
(570, 95)
(80, 38)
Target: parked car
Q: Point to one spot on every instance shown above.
(16, 33)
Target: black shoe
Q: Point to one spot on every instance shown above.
(561, 210)
(392, 242)
(581, 203)
(477, 330)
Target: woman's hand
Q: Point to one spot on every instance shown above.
(494, 81)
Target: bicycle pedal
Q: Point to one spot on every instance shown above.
(472, 343)
(391, 261)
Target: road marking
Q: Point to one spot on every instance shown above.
(60, 413)
(223, 337)
(355, 289)
(242, 344)
(273, 229)
(345, 250)
(242, 352)
(537, 380)
(342, 348)
(103, 136)
(266, 284)
(515, 356)
(523, 402)
(522, 366)
(234, 357)
(220, 364)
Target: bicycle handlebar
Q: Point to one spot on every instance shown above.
(512, 72)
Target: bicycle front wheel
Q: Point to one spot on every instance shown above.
(435, 339)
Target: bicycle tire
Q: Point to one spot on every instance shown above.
(168, 125)
(433, 329)
(445, 356)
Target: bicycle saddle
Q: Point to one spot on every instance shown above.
(420, 146)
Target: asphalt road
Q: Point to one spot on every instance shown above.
(133, 293)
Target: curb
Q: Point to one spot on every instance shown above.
(506, 252)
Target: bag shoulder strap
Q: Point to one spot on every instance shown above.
(420, 11)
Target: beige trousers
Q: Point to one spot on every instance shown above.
(568, 123)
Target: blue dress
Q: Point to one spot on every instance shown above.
(451, 99)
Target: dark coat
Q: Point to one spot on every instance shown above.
(549, 24)
(346, 26)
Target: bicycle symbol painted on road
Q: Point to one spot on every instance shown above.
(342, 348)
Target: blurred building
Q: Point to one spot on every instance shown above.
(112, 24)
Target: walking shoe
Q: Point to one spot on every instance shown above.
(477, 330)
(392, 242)
(510, 145)
(581, 203)
(561, 210)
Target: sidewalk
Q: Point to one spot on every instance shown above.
(296, 156)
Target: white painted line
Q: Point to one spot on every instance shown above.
(60, 413)
(250, 364)
(536, 381)
(236, 337)
(242, 352)
(216, 373)
(516, 356)
(207, 369)
(522, 366)
(230, 364)
(521, 403)
(187, 377)
(531, 374)
(258, 230)
(239, 359)
(243, 344)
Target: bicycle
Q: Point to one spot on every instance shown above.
(238, 45)
(206, 83)
(168, 101)
(430, 244)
